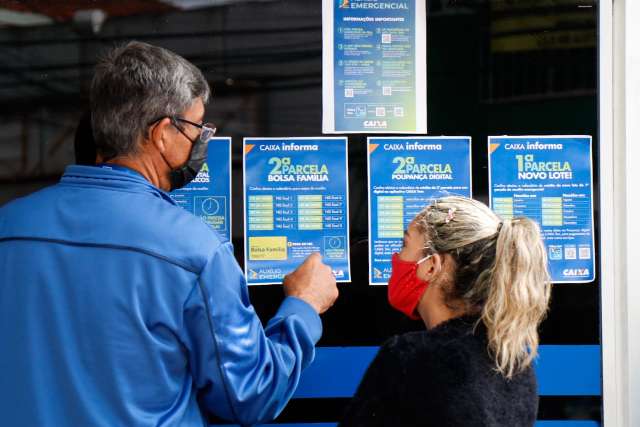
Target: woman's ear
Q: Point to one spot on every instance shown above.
(431, 268)
(159, 134)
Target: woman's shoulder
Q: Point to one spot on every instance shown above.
(454, 353)
(458, 345)
(452, 349)
(458, 332)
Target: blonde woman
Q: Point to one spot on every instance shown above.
(481, 286)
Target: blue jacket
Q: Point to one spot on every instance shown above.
(119, 308)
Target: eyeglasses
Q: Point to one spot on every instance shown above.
(207, 130)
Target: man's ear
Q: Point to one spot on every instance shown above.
(159, 134)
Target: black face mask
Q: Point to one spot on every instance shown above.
(185, 174)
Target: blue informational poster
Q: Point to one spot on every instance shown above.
(296, 203)
(374, 66)
(548, 179)
(405, 175)
(209, 194)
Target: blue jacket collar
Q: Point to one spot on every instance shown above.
(111, 178)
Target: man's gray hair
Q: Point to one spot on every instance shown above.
(134, 85)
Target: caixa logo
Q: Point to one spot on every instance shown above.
(375, 124)
(575, 272)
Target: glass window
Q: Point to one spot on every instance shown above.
(494, 67)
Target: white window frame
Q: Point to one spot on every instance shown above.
(619, 150)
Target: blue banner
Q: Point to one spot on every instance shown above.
(562, 370)
(296, 203)
(549, 179)
(209, 194)
(405, 175)
(374, 70)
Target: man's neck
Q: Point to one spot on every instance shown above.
(145, 167)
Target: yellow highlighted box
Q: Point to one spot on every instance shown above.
(260, 198)
(268, 248)
(310, 197)
(395, 226)
(260, 219)
(390, 234)
(304, 212)
(261, 227)
(260, 212)
(256, 205)
(397, 219)
(310, 205)
(310, 226)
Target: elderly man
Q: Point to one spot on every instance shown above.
(119, 308)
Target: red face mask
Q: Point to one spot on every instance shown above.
(405, 288)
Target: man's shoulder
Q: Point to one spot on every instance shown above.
(17, 210)
(166, 219)
(129, 220)
(27, 199)
(157, 225)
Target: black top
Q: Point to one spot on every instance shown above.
(442, 377)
